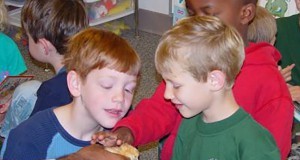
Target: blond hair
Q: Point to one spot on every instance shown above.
(3, 15)
(200, 45)
(95, 49)
(263, 28)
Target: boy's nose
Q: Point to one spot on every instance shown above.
(118, 96)
(168, 93)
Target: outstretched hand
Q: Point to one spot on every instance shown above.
(93, 152)
(116, 138)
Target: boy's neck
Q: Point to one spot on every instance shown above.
(57, 62)
(69, 115)
(222, 108)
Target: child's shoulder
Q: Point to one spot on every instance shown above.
(56, 87)
(5, 38)
(40, 120)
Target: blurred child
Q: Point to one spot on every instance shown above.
(287, 42)
(11, 60)
(263, 27)
(102, 75)
(259, 88)
(48, 25)
(199, 59)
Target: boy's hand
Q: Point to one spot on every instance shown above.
(286, 72)
(116, 138)
(107, 139)
(93, 152)
(295, 92)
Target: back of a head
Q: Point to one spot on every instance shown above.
(201, 44)
(95, 49)
(250, 1)
(263, 28)
(54, 20)
(3, 15)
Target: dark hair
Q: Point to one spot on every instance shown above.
(54, 20)
(250, 1)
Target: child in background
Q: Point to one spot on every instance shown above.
(263, 27)
(48, 25)
(102, 76)
(199, 59)
(287, 42)
(11, 60)
(259, 88)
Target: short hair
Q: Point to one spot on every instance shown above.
(250, 1)
(94, 48)
(201, 44)
(3, 15)
(54, 20)
(263, 28)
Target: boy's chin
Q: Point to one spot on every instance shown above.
(187, 114)
(109, 125)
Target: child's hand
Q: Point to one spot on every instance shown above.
(94, 151)
(286, 72)
(295, 92)
(107, 139)
(116, 138)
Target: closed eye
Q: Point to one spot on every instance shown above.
(106, 87)
(130, 91)
(176, 86)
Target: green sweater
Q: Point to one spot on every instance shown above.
(288, 43)
(238, 137)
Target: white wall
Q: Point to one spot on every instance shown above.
(160, 6)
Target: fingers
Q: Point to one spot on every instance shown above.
(124, 135)
(295, 93)
(287, 72)
(116, 138)
(107, 139)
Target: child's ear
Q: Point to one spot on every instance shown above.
(248, 13)
(47, 46)
(74, 82)
(216, 79)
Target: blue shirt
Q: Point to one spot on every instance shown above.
(40, 137)
(53, 92)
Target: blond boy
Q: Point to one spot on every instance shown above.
(199, 59)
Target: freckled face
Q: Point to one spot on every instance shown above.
(107, 95)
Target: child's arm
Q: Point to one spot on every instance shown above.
(117, 138)
(151, 120)
(287, 75)
(295, 92)
(93, 152)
